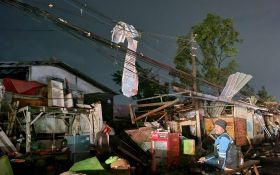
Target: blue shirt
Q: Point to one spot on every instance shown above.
(221, 146)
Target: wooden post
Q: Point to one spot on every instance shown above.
(92, 134)
(28, 131)
(193, 48)
(71, 121)
(194, 70)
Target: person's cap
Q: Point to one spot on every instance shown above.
(221, 123)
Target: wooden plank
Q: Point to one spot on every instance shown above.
(38, 116)
(12, 118)
(28, 132)
(132, 116)
(220, 99)
(5, 144)
(240, 131)
(150, 104)
(156, 110)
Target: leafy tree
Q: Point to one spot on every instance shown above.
(149, 84)
(264, 96)
(216, 38)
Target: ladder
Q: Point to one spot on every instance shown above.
(12, 118)
(261, 121)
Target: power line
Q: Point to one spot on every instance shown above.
(141, 72)
(90, 35)
(111, 22)
(84, 11)
(156, 35)
(26, 30)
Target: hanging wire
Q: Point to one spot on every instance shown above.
(65, 25)
(103, 19)
(122, 48)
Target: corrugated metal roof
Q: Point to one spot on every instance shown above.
(234, 83)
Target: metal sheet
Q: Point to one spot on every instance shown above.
(235, 82)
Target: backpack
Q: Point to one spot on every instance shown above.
(232, 154)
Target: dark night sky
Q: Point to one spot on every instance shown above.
(26, 37)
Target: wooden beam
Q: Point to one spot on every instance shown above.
(214, 98)
(28, 132)
(150, 104)
(38, 116)
(156, 110)
(132, 116)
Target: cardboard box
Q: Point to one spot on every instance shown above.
(55, 93)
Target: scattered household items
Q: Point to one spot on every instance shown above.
(79, 146)
(44, 115)
(117, 163)
(55, 93)
(189, 146)
(165, 149)
(141, 136)
(52, 123)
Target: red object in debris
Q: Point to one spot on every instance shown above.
(173, 150)
(22, 86)
(164, 150)
(107, 129)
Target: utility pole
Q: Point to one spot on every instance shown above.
(195, 102)
(193, 50)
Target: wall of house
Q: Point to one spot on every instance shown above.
(43, 73)
(242, 112)
(254, 130)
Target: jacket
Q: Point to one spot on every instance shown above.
(221, 146)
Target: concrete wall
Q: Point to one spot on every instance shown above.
(43, 73)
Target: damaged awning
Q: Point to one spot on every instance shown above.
(22, 87)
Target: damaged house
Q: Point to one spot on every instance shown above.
(169, 114)
(44, 101)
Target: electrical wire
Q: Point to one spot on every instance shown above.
(141, 73)
(89, 35)
(111, 58)
(114, 22)
(26, 30)
(111, 22)
(98, 19)
(156, 35)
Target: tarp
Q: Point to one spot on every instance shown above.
(90, 165)
(23, 87)
(5, 166)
